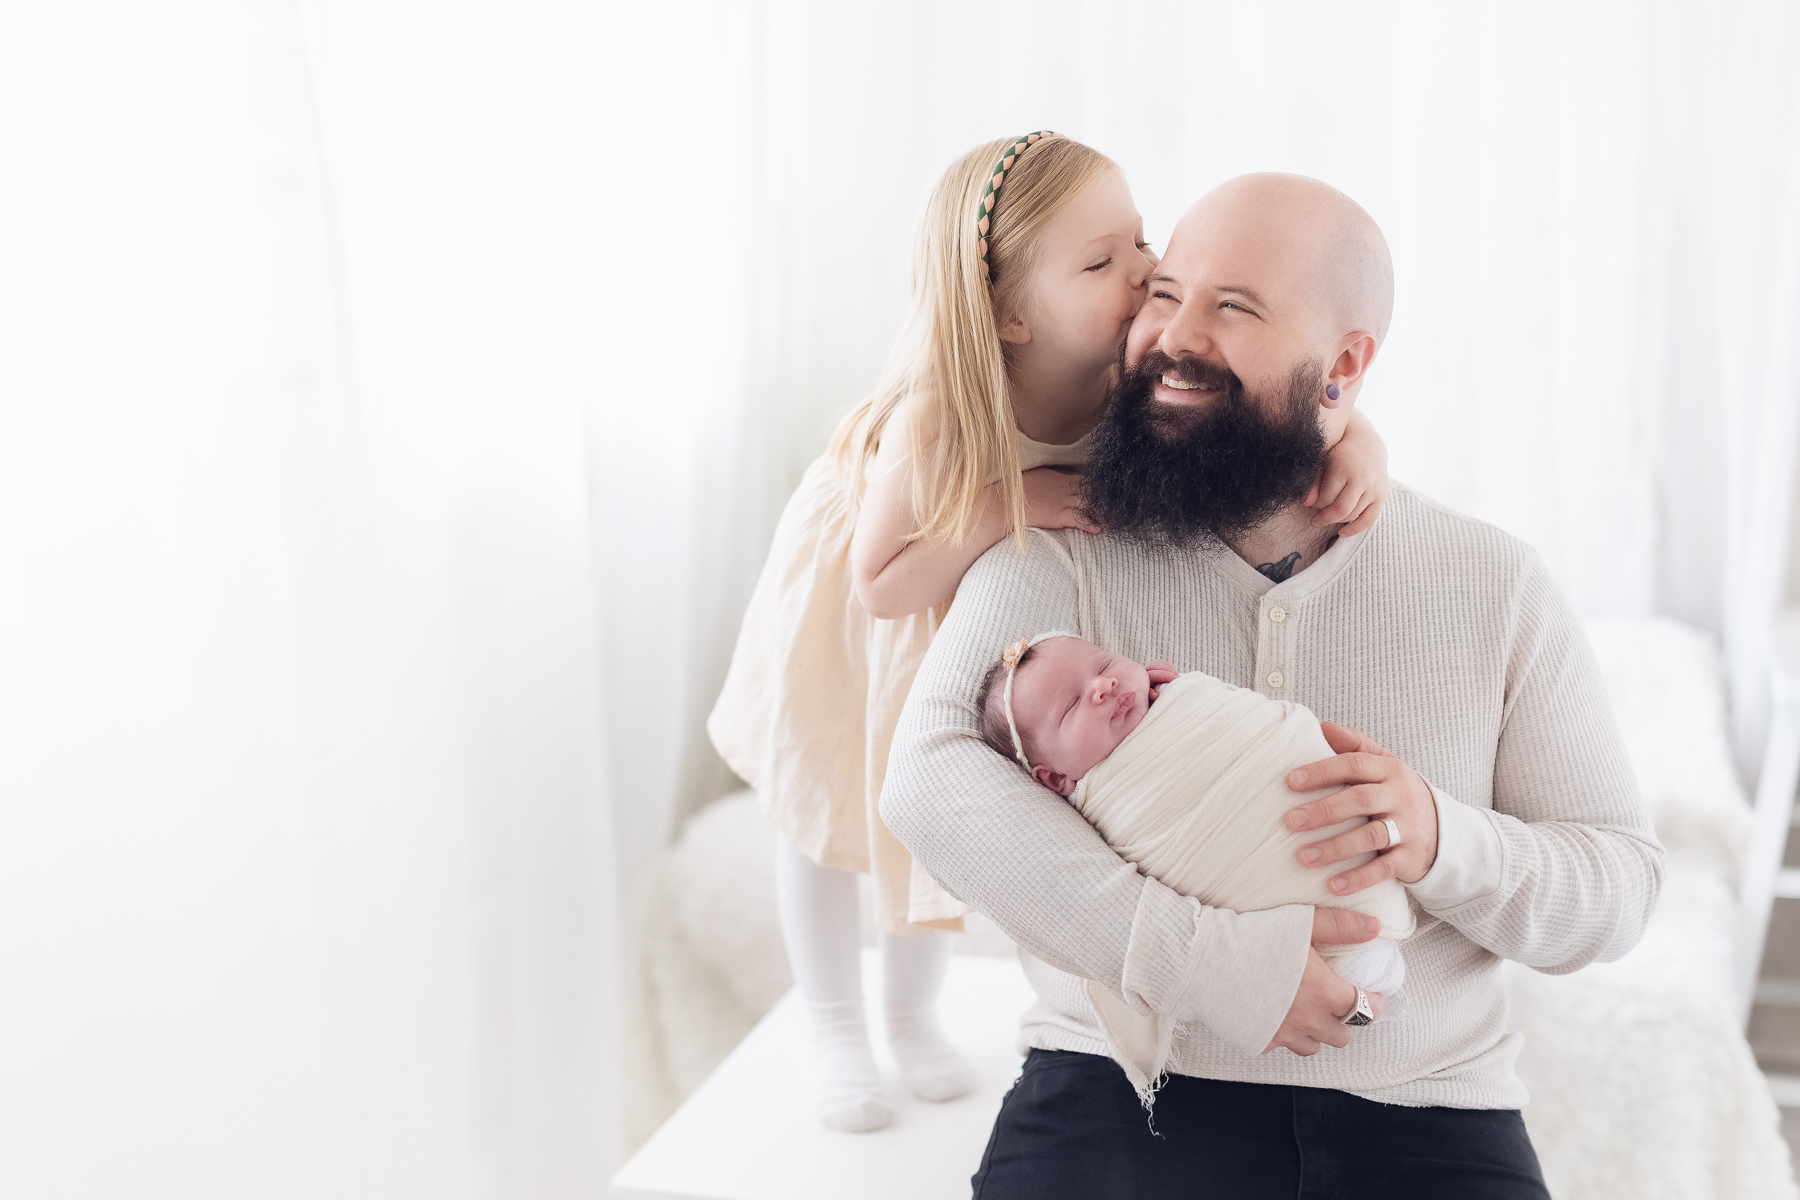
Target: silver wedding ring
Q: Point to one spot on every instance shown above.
(1393, 833)
(1362, 1014)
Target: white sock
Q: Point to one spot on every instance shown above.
(819, 922)
(850, 1095)
(913, 967)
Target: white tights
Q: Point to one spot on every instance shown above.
(819, 920)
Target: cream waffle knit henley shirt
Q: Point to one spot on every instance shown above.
(1440, 637)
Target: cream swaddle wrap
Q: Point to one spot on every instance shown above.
(1197, 797)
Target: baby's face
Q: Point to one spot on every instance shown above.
(1074, 703)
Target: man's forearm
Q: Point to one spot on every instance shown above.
(1554, 895)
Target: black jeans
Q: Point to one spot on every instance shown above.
(1072, 1127)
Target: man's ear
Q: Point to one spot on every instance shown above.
(1356, 353)
(1056, 781)
(1014, 329)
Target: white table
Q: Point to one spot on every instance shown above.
(750, 1133)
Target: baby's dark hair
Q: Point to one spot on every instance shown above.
(990, 710)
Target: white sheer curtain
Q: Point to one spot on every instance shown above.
(305, 852)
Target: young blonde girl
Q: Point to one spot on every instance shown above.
(1028, 268)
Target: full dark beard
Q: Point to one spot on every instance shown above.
(1170, 475)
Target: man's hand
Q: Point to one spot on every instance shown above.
(1378, 786)
(1317, 1014)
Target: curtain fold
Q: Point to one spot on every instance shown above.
(1754, 173)
(467, 283)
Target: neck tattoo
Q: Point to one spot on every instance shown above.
(1280, 569)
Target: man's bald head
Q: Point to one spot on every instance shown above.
(1245, 362)
(1268, 278)
(1322, 238)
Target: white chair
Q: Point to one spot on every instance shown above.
(1764, 877)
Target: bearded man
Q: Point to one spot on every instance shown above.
(1520, 833)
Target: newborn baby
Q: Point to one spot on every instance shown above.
(1185, 776)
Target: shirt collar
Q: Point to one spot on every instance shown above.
(1297, 586)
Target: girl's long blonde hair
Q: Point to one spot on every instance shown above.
(951, 351)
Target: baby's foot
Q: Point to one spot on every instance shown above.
(850, 1095)
(929, 1065)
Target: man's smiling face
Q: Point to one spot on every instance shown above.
(1242, 366)
(1232, 291)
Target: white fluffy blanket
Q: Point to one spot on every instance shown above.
(1642, 1085)
(1196, 796)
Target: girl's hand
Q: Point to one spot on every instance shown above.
(1053, 500)
(1354, 484)
(1160, 673)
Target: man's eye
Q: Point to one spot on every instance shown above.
(1231, 304)
(1162, 296)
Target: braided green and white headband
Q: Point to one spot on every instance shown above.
(1011, 657)
(996, 177)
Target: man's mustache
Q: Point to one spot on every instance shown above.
(1189, 369)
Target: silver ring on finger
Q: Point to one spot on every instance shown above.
(1393, 833)
(1363, 1013)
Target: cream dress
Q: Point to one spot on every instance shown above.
(815, 689)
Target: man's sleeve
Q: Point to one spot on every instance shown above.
(1020, 854)
(1566, 868)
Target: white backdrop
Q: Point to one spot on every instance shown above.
(307, 880)
(396, 398)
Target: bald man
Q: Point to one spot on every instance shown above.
(1471, 720)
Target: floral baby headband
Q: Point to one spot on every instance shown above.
(1010, 658)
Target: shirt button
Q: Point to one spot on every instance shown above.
(1276, 679)
(1278, 615)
